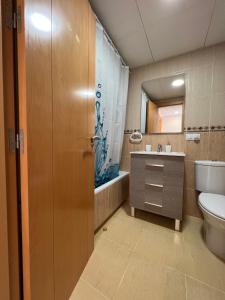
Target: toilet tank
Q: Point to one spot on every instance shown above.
(210, 176)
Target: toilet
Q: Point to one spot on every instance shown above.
(210, 181)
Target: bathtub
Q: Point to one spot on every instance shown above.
(110, 196)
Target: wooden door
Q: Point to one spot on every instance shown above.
(4, 263)
(56, 72)
(9, 89)
(73, 112)
(35, 114)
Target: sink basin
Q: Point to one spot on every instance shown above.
(159, 153)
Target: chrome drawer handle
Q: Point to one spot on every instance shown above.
(155, 185)
(155, 165)
(153, 204)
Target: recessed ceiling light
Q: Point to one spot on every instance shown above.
(177, 82)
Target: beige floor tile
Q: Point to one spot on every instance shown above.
(84, 291)
(206, 267)
(201, 263)
(144, 280)
(106, 266)
(123, 211)
(144, 258)
(164, 247)
(185, 251)
(197, 290)
(125, 232)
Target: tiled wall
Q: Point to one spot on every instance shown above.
(204, 112)
(205, 87)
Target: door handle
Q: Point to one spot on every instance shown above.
(95, 138)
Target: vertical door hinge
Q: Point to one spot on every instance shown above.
(15, 141)
(13, 19)
(17, 19)
(20, 141)
(12, 16)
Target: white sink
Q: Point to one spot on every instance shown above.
(158, 153)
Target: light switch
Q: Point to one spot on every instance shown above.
(193, 136)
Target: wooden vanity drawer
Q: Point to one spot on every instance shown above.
(157, 163)
(153, 197)
(154, 176)
(147, 200)
(156, 184)
(147, 195)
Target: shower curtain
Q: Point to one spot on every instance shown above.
(111, 99)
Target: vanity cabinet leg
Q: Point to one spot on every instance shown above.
(177, 224)
(132, 211)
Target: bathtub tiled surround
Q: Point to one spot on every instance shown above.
(211, 146)
(140, 260)
(109, 197)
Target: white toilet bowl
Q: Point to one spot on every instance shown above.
(213, 209)
(210, 180)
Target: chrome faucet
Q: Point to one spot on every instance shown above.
(159, 148)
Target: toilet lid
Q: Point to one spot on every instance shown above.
(213, 203)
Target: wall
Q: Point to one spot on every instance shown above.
(204, 111)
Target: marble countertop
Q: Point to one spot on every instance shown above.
(159, 153)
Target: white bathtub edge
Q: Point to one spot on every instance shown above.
(122, 174)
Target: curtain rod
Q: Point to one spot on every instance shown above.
(111, 42)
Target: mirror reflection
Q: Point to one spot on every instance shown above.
(162, 105)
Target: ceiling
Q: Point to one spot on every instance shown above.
(159, 89)
(146, 31)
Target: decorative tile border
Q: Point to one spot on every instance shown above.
(189, 129)
(204, 129)
(129, 131)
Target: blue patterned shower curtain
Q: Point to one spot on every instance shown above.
(111, 100)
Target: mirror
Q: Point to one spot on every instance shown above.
(162, 105)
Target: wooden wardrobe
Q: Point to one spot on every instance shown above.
(56, 112)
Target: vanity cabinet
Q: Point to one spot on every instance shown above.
(156, 184)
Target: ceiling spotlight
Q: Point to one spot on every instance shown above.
(178, 82)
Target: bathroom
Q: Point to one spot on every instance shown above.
(112, 147)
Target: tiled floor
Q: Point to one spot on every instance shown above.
(143, 258)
